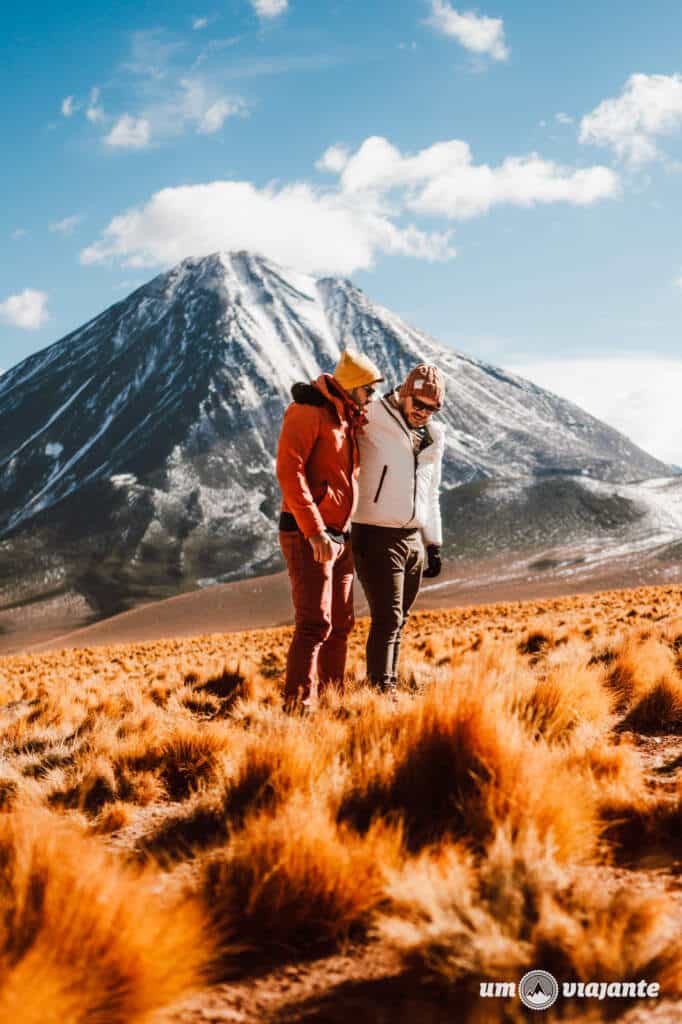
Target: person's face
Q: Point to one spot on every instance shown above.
(362, 395)
(417, 411)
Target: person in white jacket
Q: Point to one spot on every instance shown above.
(397, 518)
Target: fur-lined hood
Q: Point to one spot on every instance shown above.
(307, 394)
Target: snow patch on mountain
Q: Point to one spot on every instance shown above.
(153, 429)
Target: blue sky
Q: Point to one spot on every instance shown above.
(505, 177)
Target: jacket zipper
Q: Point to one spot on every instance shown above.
(381, 484)
(400, 422)
(352, 447)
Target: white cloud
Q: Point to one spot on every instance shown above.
(19, 233)
(192, 103)
(152, 53)
(342, 228)
(67, 225)
(638, 395)
(199, 23)
(443, 180)
(216, 115)
(269, 8)
(296, 225)
(564, 118)
(164, 98)
(333, 159)
(476, 33)
(27, 309)
(129, 133)
(93, 112)
(196, 104)
(649, 106)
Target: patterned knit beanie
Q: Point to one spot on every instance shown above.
(424, 381)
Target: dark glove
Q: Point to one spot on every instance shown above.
(433, 562)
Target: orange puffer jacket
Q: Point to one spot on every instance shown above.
(317, 457)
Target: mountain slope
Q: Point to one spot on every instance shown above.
(137, 453)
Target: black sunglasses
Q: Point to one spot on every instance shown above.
(424, 406)
(368, 389)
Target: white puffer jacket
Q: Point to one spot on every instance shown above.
(397, 487)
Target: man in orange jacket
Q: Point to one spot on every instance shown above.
(317, 469)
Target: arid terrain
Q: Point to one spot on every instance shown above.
(176, 849)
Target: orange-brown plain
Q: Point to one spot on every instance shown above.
(174, 848)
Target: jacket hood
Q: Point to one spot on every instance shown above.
(307, 394)
(322, 390)
(325, 390)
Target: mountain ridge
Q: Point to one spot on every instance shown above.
(137, 452)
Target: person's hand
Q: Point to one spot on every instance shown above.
(323, 547)
(434, 564)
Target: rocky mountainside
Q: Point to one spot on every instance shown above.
(137, 453)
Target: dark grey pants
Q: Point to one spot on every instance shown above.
(389, 564)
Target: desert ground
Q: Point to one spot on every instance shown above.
(176, 849)
(66, 620)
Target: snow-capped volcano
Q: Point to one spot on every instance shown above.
(137, 453)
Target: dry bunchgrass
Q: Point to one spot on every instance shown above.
(636, 666)
(113, 817)
(490, 792)
(645, 828)
(613, 772)
(143, 767)
(456, 923)
(659, 710)
(462, 766)
(295, 882)
(569, 693)
(264, 771)
(81, 940)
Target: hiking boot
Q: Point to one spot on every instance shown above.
(388, 687)
(302, 708)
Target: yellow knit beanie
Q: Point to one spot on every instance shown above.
(353, 370)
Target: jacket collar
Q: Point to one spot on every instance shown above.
(345, 407)
(392, 404)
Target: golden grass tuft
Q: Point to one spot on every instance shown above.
(185, 757)
(462, 766)
(113, 818)
(264, 771)
(456, 924)
(659, 710)
(639, 664)
(494, 794)
(535, 642)
(81, 940)
(228, 685)
(613, 772)
(569, 693)
(443, 930)
(295, 882)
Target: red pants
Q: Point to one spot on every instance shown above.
(322, 594)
